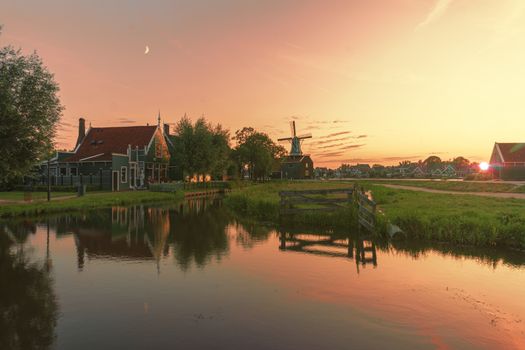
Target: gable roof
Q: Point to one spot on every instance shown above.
(103, 142)
(511, 152)
(295, 159)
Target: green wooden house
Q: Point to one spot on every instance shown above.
(117, 158)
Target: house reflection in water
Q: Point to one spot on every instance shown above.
(364, 251)
(192, 232)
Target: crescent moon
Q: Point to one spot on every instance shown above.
(147, 50)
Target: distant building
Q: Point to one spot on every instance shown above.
(296, 165)
(507, 161)
(121, 158)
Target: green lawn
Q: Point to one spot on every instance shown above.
(89, 201)
(262, 202)
(460, 219)
(463, 219)
(20, 196)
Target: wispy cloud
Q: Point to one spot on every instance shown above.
(352, 146)
(439, 9)
(335, 134)
(322, 142)
(331, 154)
(126, 121)
(332, 146)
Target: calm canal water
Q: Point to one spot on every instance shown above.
(192, 277)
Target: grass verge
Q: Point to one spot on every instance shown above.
(262, 202)
(457, 219)
(460, 219)
(89, 201)
(20, 196)
(459, 186)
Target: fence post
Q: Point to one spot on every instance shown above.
(100, 178)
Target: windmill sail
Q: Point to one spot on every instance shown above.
(295, 140)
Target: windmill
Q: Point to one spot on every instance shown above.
(295, 140)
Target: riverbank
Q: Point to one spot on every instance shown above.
(452, 218)
(262, 202)
(89, 201)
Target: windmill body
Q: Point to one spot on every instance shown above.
(295, 165)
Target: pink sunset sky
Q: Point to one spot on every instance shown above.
(373, 81)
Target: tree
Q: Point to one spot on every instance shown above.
(460, 163)
(29, 111)
(256, 152)
(432, 162)
(29, 308)
(201, 148)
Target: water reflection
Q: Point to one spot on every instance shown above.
(194, 231)
(205, 296)
(363, 250)
(28, 306)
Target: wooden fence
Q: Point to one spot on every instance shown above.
(290, 200)
(366, 210)
(318, 200)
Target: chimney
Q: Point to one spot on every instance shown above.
(81, 130)
(167, 129)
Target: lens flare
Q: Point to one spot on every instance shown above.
(484, 166)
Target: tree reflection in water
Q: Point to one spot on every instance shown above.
(195, 232)
(28, 306)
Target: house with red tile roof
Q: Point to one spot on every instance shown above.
(507, 161)
(121, 158)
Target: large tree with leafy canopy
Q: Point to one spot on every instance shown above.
(200, 148)
(256, 152)
(29, 111)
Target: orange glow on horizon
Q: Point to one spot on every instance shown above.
(404, 79)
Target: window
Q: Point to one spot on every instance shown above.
(123, 174)
(63, 171)
(73, 171)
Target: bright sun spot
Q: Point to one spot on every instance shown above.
(484, 166)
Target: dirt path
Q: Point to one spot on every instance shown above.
(481, 194)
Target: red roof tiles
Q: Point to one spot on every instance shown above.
(102, 142)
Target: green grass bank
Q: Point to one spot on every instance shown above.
(459, 219)
(262, 202)
(457, 186)
(89, 201)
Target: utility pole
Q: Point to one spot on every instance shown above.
(48, 180)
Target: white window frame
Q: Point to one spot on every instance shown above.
(124, 171)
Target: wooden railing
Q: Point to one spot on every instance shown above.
(293, 202)
(291, 199)
(366, 211)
